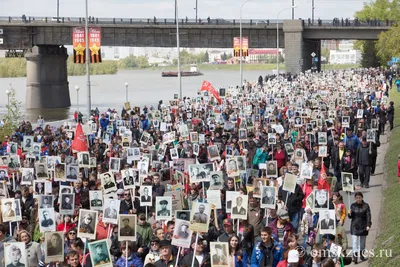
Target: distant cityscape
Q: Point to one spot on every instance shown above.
(332, 52)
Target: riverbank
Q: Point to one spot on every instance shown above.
(388, 236)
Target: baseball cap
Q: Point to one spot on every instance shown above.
(293, 256)
(165, 243)
(228, 222)
(120, 191)
(283, 214)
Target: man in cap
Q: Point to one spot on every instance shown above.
(200, 255)
(9, 212)
(126, 230)
(228, 231)
(200, 217)
(166, 257)
(163, 211)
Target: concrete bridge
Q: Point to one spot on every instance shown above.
(46, 73)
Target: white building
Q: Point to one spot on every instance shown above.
(345, 57)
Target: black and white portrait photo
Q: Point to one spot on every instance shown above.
(197, 173)
(129, 177)
(3, 174)
(100, 254)
(87, 224)
(127, 227)
(111, 210)
(216, 180)
(346, 121)
(219, 254)
(145, 195)
(28, 143)
(320, 199)
(268, 197)
(96, 199)
(239, 207)
(163, 208)
(297, 122)
(322, 151)
(327, 221)
(272, 168)
(59, 173)
(13, 148)
(370, 135)
(4, 161)
(83, 159)
(67, 204)
(242, 135)
(271, 139)
(72, 172)
(47, 220)
(54, 246)
(14, 162)
(347, 182)
(36, 149)
(41, 171)
(374, 124)
(213, 152)
(27, 176)
(15, 254)
(200, 216)
(45, 201)
(108, 182)
(306, 171)
(289, 148)
(93, 162)
(8, 209)
(309, 128)
(360, 113)
(194, 137)
(182, 215)
(39, 187)
(50, 161)
(241, 164)
(196, 149)
(232, 167)
(143, 167)
(322, 138)
(114, 164)
(174, 153)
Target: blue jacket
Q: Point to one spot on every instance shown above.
(104, 123)
(244, 261)
(145, 125)
(133, 261)
(257, 255)
(352, 142)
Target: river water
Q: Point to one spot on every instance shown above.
(146, 87)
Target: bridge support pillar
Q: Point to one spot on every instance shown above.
(47, 78)
(293, 30)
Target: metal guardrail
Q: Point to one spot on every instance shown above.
(185, 21)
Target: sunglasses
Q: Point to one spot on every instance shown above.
(72, 233)
(120, 195)
(127, 194)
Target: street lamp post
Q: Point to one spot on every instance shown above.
(178, 48)
(241, 43)
(196, 9)
(58, 11)
(88, 61)
(277, 37)
(77, 97)
(126, 91)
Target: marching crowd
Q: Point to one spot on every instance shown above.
(281, 153)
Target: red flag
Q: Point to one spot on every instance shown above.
(323, 179)
(79, 144)
(206, 86)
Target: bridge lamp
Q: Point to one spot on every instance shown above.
(277, 36)
(77, 97)
(126, 91)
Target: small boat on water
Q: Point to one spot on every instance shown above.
(193, 72)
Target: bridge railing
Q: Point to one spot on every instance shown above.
(185, 21)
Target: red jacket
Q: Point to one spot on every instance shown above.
(398, 168)
(101, 231)
(68, 227)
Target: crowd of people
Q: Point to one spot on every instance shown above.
(247, 176)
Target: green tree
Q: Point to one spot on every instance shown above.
(13, 116)
(224, 56)
(369, 55)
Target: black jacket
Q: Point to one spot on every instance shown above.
(187, 261)
(294, 201)
(360, 218)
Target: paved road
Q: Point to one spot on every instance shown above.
(373, 196)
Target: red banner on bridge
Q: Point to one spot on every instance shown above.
(79, 44)
(95, 44)
(236, 46)
(78, 41)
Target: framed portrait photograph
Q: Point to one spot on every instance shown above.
(374, 124)
(72, 172)
(114, 164)
(297, 122)
(163, 208)
(213, 153)
(371, 135)
(242, 135)
(87, 223)
(96, 199)
(182, 235)
(214, 198)
(200, 217)
(182, 215)
(272, 168)
(346, 121)
(14, 162)
(108, 182)
(143, 167)
(127, 227)
(194, 137)
(27, 144)
(232, 167)
(54, 246)
(197, 174)
(4, 161)
(41, 171)
(327, 222)
(46, 201)
(18, 213)
(174, 152)
(321, 199)
(83, 159)
(239, 207)
(60, 172)
(15, 254)
(322, 138)
(289, 184)
(241, 164)
(216, 180)
(47, 220)
(271, 139)
(3, 173)
(347, 182)
(322, 151)
(130, 178)
(309, 128)
(306, 171)
(268, 197)
(146, 193)
(360, 113)
(8, 209)
(67, 204)
(100, 253)
(13, 148)
(258, 183)
(289, 148)
(93, 162)
(27, 176)
(111, 210)
(219, 254)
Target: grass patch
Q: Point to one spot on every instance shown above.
(389, 232)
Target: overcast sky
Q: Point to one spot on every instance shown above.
(228, 9)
